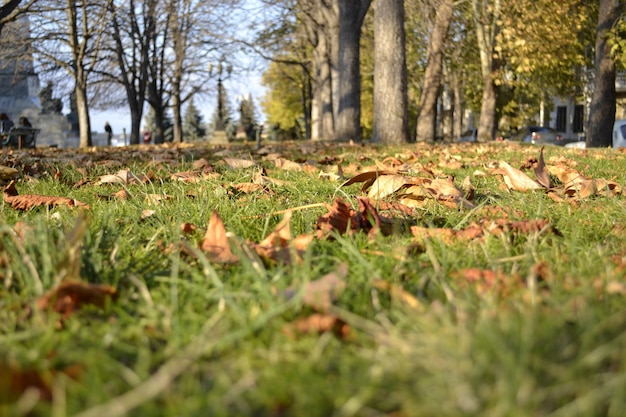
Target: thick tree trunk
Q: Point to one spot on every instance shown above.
(348, 123)
(486, 16)
(602, 111)
(426, 120)
(390, 80)
(82, 108)
(324, 120)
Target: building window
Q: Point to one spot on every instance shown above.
(561, 118)
(578, 124)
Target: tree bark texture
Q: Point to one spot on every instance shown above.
(603, 106)
(427, 116)
(348, 123)
(390, 78)
(486, 16)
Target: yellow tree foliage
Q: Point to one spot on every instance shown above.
(282, 103)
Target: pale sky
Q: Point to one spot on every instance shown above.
(120, 118)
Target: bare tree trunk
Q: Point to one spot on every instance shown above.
(391, 117)
(78, 47)
(426, 120)
(603, 105)
(457, 113)
(348, 123)
(133, 65)
(486, 16)
(82, 109)
(325, 123)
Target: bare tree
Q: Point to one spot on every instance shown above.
(69, 38)
(390, 79)
(133, 25)
(602, 111)
(431, 84)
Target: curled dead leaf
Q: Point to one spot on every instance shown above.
(29, 201)
(71, 295)
(516, 179)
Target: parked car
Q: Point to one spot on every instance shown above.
(619, 134)
(468, 136)
(538, 135)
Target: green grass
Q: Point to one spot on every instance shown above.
(188, 337)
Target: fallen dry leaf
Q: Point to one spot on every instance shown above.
(487, 281)
(28, 201)
(238, 163)
(279, 247)
(14, 382)
(516, 179)
(318, 324)
(386, 185)
(342, 219)
(216, 243)
(71, 295)
(322, 293)
(123, 176)
(7, 173)
(541, 172)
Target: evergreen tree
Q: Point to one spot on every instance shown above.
(227, 119)
(193, 126)
(149, 124)
(247, 117)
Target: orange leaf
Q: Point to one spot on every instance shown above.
(71, 295)
(278, 246)
(28, 201)
(319, 323)
(216, 242)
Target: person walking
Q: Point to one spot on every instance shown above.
(109, 131)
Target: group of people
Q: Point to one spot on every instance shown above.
(6, 123)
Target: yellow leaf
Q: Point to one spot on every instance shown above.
(7, 173)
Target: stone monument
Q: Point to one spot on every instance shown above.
(20, 93)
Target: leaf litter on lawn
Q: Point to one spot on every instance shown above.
(353, 284)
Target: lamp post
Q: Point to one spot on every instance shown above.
(223, 72)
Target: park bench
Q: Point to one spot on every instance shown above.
(20, 137)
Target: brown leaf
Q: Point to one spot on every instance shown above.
(14, 382)
(322, 293)
(367, 178)
(541, 172)
(318, 324)
(516, 179)
(71, 295)
(287, 165)
(123, 176)
(188, 228)
(238, 163)
(386, 185)
(28, 201)
(216, 243)
(487, 281)
(279, 247)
